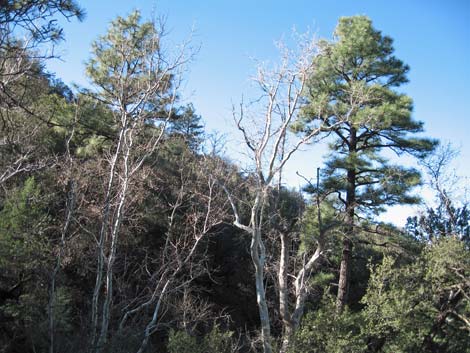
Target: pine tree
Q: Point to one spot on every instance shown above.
(352, 92)
(189, 126)
(137, 80)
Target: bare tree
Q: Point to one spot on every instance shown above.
(180, 259)
(293, 274)
(441, 179)
(17, 155)
(270, 147)
(448, 214)
(69, 210)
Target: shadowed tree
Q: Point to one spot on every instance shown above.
(28, 32)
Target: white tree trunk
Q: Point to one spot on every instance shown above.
(152, 324)
(102, 236)
(258, 257)
(114, 242)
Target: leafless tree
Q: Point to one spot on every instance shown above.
(271, 145)
(69, 210)
(441, 178)
(450, 192)
(180, 264)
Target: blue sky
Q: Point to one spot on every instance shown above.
(432, 36)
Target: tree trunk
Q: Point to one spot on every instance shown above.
(151, 325)
(344, 275)
(258, 257)
(102, 235)
(284, 296)
(345, 268)
(287, 333)
(291, 319)
(102, 340)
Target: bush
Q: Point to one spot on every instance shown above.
(215, 341)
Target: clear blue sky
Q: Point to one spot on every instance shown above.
(432, 36)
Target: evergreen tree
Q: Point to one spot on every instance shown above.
(24, 255)
(352, 93)
(27, 28)
(188, 125)
(422, 306)
(137, 80)
(434, 224)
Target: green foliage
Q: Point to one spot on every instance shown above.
(436, 223)
(189, 126)
(310, 228)
(394, 305)
(28, 313)
(351, 89)
(63, 311)
(322, 279)
(94, 127)
(416, 307)
(216, 341)
(24, 257)
(326, 331)
(127, 65)
(183, 342)
(34, 16)
(22, 223)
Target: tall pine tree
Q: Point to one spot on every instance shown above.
(352, 90)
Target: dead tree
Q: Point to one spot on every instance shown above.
(271, 145)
